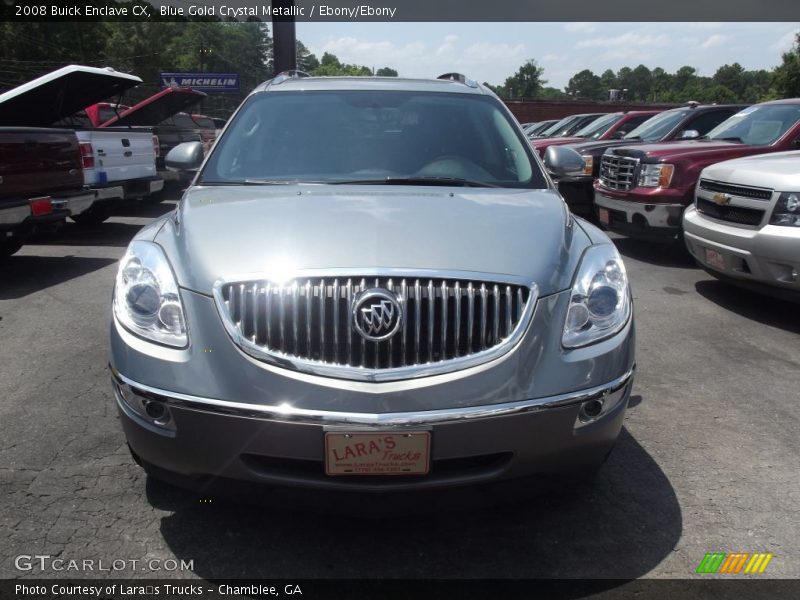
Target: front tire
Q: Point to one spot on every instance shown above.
(94, 216)
(9, 247)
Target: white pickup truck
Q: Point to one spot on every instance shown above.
(118, 163)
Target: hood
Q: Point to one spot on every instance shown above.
(234, 231)
(780, 171)
(60, 94)
(597, 147)
(158, 107)
(666, 151)
(545, 143)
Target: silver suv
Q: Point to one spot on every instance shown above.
(371, 284)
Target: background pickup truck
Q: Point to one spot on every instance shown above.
(682, 123)
(118, 163)
(613, 126)
(163, 113)
(643, 190)
(41, 183)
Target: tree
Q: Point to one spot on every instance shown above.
(306, 61)
(684, 76)
(386, 72)
(660, 82)
(787, 74)
(609, 81)
(330, 65)
(586, 84)
(551, 93)
(731, 77)
(641, 80)
(526, 82)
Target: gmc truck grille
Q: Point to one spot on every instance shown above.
(736, 190)
(733, 214)
(307, 324)
(618, 172)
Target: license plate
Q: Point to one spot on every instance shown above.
(715, 259)
(377, 453)
(604, 218)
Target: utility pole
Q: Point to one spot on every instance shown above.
(284, 37)
(203, 51)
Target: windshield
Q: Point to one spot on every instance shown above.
(599, 126)
(656, 128)
(559, 125)
(366, 136)
(757, 125)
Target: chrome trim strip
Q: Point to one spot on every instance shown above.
(287, 412)
(325, 368)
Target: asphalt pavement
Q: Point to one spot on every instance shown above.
(707, 460)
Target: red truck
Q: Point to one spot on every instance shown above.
(41, 182)
(643, 190)
(613, 126)
(162, 112)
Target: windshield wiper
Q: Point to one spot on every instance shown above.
(635, 137)
(275, 182)
(729, 139)
(449, 181)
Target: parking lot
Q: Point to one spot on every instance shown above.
(707, 460)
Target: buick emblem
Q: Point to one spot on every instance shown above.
(720, 199)
(377, 314)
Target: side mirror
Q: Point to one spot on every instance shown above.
(618, 135)
(187, 156)
(563, 162)
(690, 134)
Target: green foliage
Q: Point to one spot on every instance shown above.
(386, 72)
(586, 84)
(787, 74)
(526, 82)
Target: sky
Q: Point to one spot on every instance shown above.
(493, 51)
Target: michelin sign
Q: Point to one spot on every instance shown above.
(210, 83)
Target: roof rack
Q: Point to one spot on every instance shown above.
(458, 77)
(292, 74)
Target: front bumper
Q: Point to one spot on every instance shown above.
(638, 219)
(203, 438)
(233, 417)
(768, 256)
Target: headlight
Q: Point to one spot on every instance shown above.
(588, 164)
(600, 302)
(787, 210)
(656, 175)
(146, 298)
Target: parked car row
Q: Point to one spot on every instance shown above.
(744, 216)
(66, 152)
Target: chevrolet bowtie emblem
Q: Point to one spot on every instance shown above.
(720, 199)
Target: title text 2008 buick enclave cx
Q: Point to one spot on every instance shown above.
(372, 284)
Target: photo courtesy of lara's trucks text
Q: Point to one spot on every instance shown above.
(118, 163)
(643, 190)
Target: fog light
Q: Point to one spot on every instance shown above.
(155, 410)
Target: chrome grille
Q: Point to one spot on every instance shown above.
(736, 190)
(306, 323)
(618, 172)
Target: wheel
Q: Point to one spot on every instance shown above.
(94, 216)
(10, 246)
